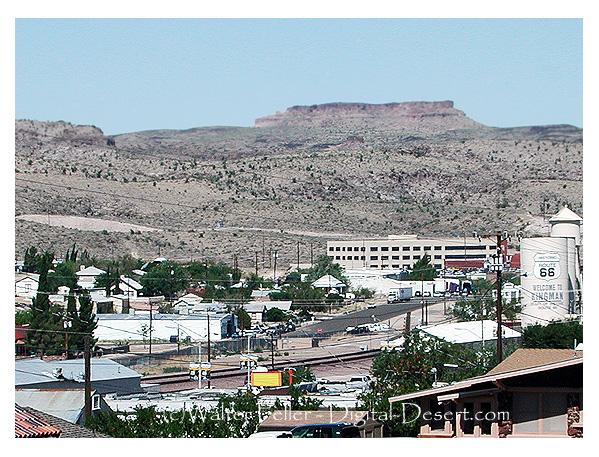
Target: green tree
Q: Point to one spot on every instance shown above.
(275, 315)
(245, 321)
(483, 308)
(45, 330)
(304, 296)
(63, 275)
(108, 279)
(32, 260)
(324, 266)
(556, 335)
(166, 279)
(83, 322)
(423, 270)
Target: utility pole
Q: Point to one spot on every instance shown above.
(208, 318)
(499, 300)
(256, 263)
(150, 329)
(200, 364)
(311, 254)
(87, 412)
(249, 364)
(272, 351)
(274, 274)
(298, 256)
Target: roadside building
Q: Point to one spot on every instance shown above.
(402, 251)
(135, 327)
(475, 333)
(532, 393)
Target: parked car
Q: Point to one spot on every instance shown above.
(357, 330)
(426, 294)
(358, 382)
(334, 430)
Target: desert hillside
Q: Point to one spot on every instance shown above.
(303, 176)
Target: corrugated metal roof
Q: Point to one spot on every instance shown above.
(65, 404)
(32, 371)
(468, 332)
(29, 426)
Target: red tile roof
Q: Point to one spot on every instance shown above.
(29, 426)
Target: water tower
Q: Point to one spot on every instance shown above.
(551, 273)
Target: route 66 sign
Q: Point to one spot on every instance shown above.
(547, 266)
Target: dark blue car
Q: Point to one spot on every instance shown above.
(334, 430)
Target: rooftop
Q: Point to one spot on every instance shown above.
(523, 358)
(34, 371)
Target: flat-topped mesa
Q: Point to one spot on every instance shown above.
(59, 132)
(408, 115)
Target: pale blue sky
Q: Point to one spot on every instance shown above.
(126, 75)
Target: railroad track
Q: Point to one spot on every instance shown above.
(233, 372)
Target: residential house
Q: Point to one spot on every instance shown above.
(128, 287)
(510, 292)
(186, 303)
(26, 285)
(257, 309)
(87, 276)
(285, 420)
(330, 284)
(532, 393)
(106, 375)
(67, 404)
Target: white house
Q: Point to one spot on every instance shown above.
(509, 292)
(129, 287)
(87, 276)
(256, 309)
(26, 285)
(330, 283)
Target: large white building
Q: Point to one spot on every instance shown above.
(128, 327)
(551, 272)
(402, 251)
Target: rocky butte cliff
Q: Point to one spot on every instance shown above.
(415, 117)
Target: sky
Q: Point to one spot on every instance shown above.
(128, 75)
